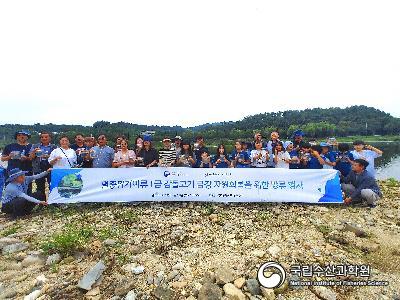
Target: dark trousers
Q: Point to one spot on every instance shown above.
(41, 184)
(20, 206)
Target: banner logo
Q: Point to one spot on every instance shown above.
(274, 280)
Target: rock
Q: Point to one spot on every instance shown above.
(150, 279)
(274, 250)
(258, 253)
(355, 229)
(253, 286)
(33, 296)
(178, 266)
(239, 282)
(323, 293)
(208, 277)
(12, 248)
(282, 288)
(53, 259)
(367, 246)
(124, 286)
(8, 241)
(31, 260)
(233, 292)
(138, 270)
(213, 217)
(40, 280)
(92, 276)
(93, 292)
(209, 291)
(131, 295)
(223, 275)
(163, 293)
(172, 275)
(109, 242)
(268, 294)
(178, 284)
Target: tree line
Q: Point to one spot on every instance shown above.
(316, 122)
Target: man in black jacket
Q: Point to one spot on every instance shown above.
(360, 185)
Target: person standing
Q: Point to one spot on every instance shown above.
(79, 148)
(199, 147)
(63, 157)
(281, 157)
(167, 155)
(240, 158)
(17, 154)
(39, 155)
(259, 157)
(124, 158)
(102, 155)
(221, 158)
(148, 156)
(271, 148)
(368, 153)
(177, 146)
(185, 159)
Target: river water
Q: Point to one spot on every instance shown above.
(388, 166)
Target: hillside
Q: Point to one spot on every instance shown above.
(316, 122)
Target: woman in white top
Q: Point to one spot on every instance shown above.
(124, 158)
(281, 157)
(259, 157)
(63, 157)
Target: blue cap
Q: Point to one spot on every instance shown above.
(14, 173)
(24, 132)
(298, 132)
(147, 138)
(324, 144)
(287, 143)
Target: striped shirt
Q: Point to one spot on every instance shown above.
(167, 156)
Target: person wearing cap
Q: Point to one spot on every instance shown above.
(17, 154)
(167, 155)
(368, 153)
(327, 156)
(199, 147)
(298, 142)
(39, 154)
(147, 156)
(17, 200)
(360, 185)
(344, 159)
(177, 146)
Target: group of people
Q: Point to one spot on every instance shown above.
(33, 162)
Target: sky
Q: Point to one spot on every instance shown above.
(191, 62)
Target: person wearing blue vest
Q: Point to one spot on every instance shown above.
(240, 158)
(2, 178)
(17, 201)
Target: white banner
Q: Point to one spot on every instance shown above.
(187, 184)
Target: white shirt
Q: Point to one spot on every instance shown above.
(369, 156)
(63, 162)
(281, 157)
(258, 162)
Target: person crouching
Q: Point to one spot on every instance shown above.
(17, 201)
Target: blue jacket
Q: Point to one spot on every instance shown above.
(362, 181)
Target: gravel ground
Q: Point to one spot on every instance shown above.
(196, 250)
